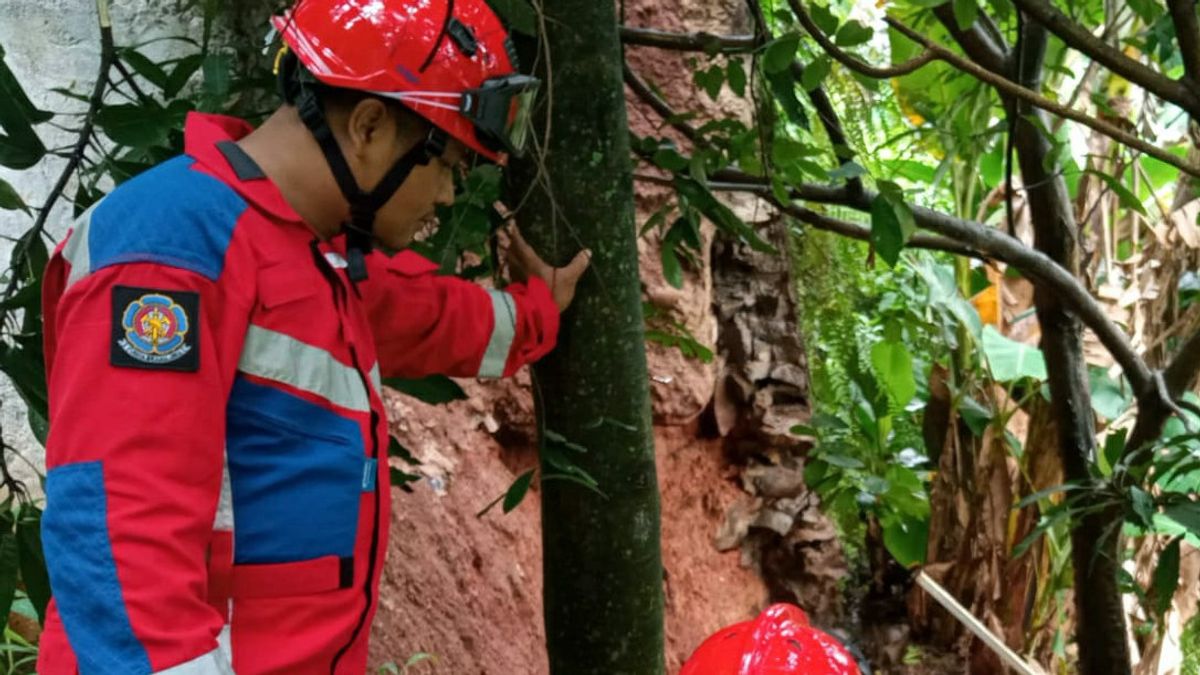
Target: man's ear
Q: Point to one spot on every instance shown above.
(369, 123)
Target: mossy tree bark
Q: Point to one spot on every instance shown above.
(602, 556)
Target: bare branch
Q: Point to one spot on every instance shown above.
(107, 58)
(1010, 88)
(853, 62)
(985, 46)
(689, 42)
(1184, 367)
(1081, 39)
(1187, 33)
(862, 233)
(644, 92)
(988, 241)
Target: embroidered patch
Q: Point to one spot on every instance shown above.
(155, 329)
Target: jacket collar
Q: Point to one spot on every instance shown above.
(211, 141)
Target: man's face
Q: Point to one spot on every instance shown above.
(411, 209)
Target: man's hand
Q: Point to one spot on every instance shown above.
(524, 262)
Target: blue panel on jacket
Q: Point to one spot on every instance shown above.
(296, 470)
(84, 575)
(170, 215)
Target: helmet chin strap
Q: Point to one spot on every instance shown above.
(363, 205)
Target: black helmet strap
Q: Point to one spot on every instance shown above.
(363, 205)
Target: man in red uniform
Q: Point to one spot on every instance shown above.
(216, 331)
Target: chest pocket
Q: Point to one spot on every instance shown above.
(298, 468)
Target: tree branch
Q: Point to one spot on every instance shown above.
(988, 241)
(644, 92)
(1187, 33)
(853, 62)
(1182, 369)
(1081, 39)
(1010, 88)
(107, 58)
(862, 233)
(986, 47)
(689, 42)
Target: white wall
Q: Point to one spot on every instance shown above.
(56, 43)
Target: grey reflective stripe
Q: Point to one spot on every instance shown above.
(76, 250)
(283, 358)
(216, 662)
(224, 520)
(503, 332)
(375, 380)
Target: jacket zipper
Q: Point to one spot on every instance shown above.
(339, 297)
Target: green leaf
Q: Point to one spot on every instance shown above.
(1124, 195)
(847, 171)
(670, 159)
(435, 389)
(841, 461)
(1141, 507)
(32, 559)
(894, 365)
(422, 656)
(698, 195)
(1166, 578)
(815, 73)
(9, 564)
(711, 80)
(217, 78)
(181, 73)
(151, 71)
(10, 200)
(824, 19)
(907, 540)
(516, 492)
(965, 13)
(886, 234)
(852, 34)
(1010, 360)
(1108, 398)
(672, 269)
(779, 53)
(138, 126)
(518, 15)
(784, 88)
(402, 479)
(1186, 514)
(397, 449)
(735, 74)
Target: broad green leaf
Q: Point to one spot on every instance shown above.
(1186, 514)
(699, 197)
(965, 13)
(20, 147)
(1010, 360)
(784, 88)
(33, 559)
(852, 34)
(886, 233)
(847, 171)
(672, 269)
(907, 540)
(181, 73)
(1141, 507)
(670, 159)
(1124, 195)
(894, 365)
(516, 492)
(151, 71)
(138, 126)
(815, 73)
(735, 74)
(9, 564)
(780, 53)
(9, 199)
(824, 19)
(217, 78)
(1108, 398)
(841, 461)
(435, 389)
(397, 449)
(1166, 577)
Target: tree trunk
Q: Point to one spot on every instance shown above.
(603, 567)
(1094, 545)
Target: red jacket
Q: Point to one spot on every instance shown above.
(217, 463)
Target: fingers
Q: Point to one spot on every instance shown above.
(578, 265)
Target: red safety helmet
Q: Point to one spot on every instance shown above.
(779, 642)
(450, 61)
